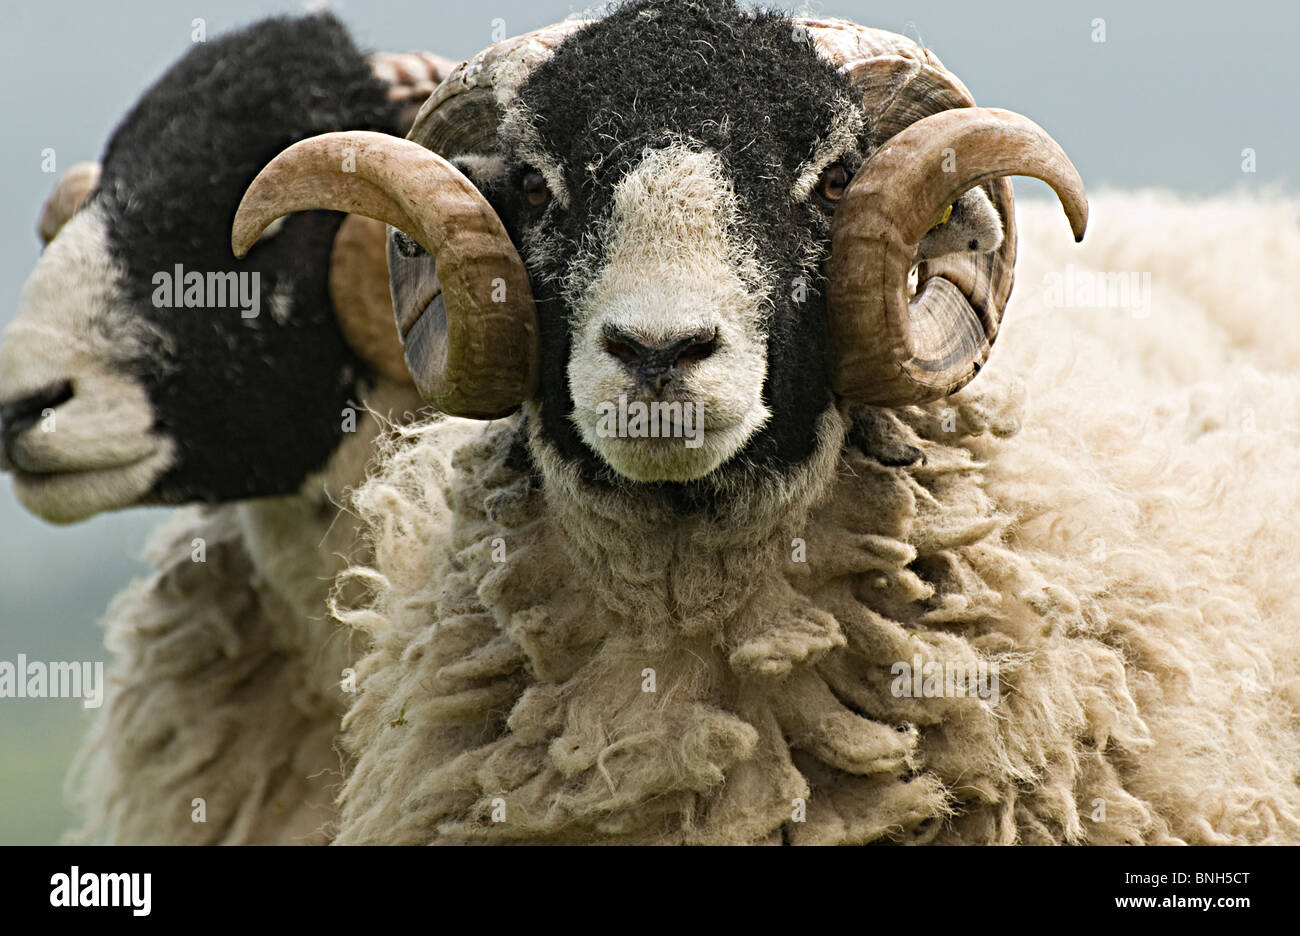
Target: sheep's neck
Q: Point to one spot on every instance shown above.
(659, 570)
(300, 542)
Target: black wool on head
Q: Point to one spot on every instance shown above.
(254, 404)
(744, 84)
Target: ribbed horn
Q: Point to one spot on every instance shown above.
(887, 349)
(476, 355)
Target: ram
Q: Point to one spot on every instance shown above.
(226, 683)
(582, 637)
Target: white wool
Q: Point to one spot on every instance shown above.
(1107, 513)
(222, 703)
(1184, 420)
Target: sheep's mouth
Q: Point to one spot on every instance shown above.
(35, 474)
(79, 469)
(70, 494)
(685, 447)
(94, 421)
(35, 455)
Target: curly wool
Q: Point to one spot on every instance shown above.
(221, 691)
(550, 665)
(226, 680)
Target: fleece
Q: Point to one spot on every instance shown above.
(229, 677)
(1104, 521)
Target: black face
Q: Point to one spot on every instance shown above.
(745, 86)
(253, 403)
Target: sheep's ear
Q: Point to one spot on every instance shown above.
(972, 226)
(362, 303)
(70, 193)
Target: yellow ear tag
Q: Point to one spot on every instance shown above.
(947, 213)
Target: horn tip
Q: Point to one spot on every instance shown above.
(243, 235)
(1079, 221)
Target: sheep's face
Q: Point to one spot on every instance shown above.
(668, 305)
(146, 364)
(670, 214)
(78, 430)
(116, 388)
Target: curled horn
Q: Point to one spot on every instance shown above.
(892, 350)
(358, 277)
(464, 313)
(70, 193)
(475, 352)
(887, 349)
(460, 118)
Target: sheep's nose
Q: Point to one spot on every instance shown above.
(656, 363)
(17, 416)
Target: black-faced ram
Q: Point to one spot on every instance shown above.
(146, 366)
(848, 614)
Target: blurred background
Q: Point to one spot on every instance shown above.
(1161, 95)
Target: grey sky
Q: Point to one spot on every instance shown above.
(1170, 98)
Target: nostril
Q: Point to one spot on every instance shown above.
(18, 415)
(637, 351)
(696, 348)
(627, 352)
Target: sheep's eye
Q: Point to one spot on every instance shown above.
(407, 246)
(535, 188)
(834, 180)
